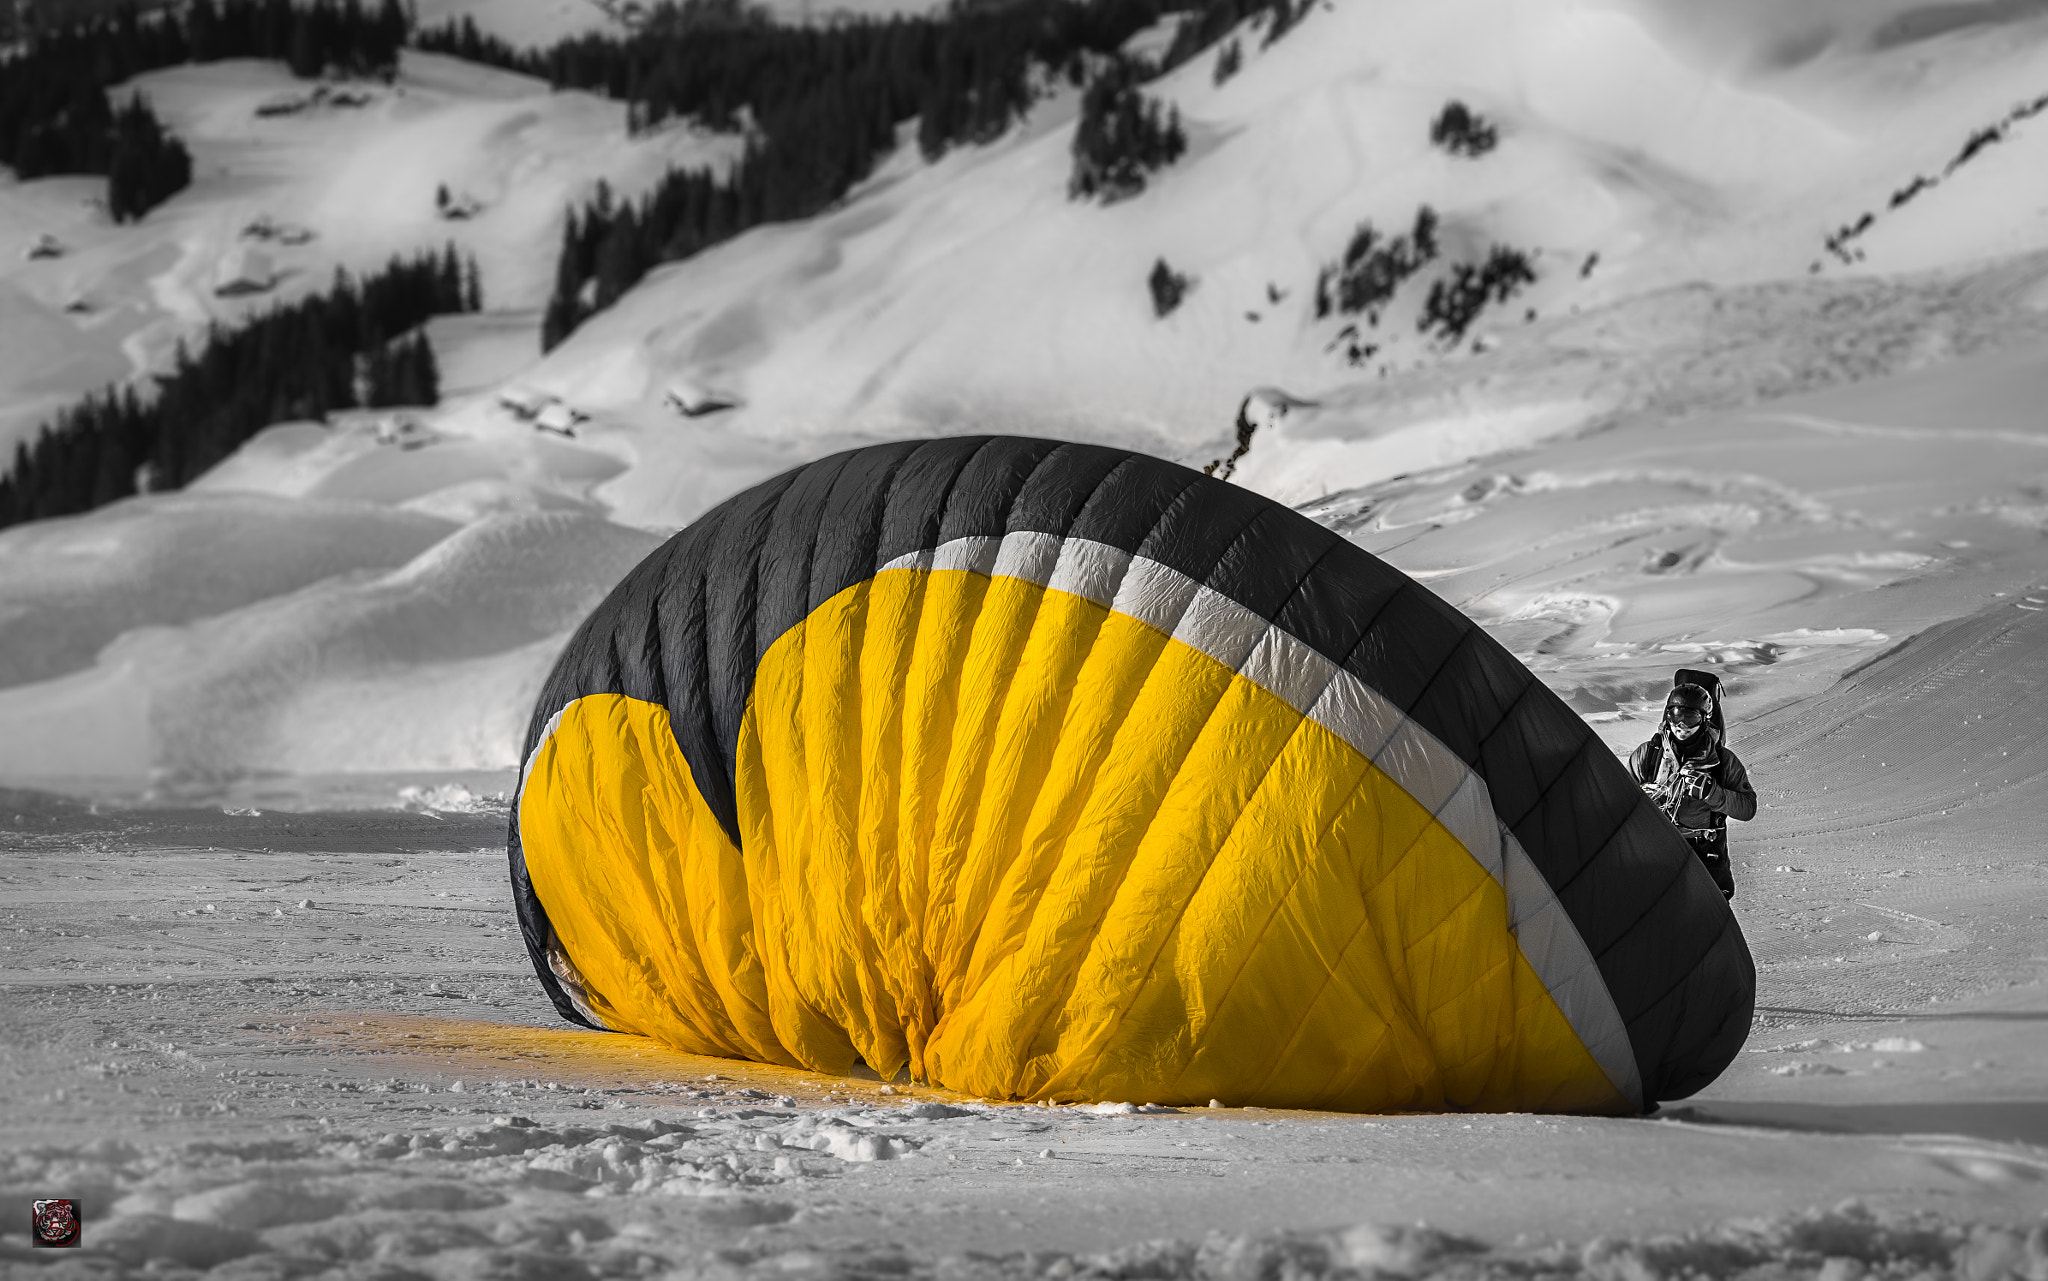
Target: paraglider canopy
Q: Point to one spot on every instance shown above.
(1054, 771)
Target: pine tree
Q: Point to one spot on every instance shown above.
(426, 374)
(1461, 131)
(563, 314)
(1228, 59)
(304, 56)
(618, 264)
(202, 28)
(1120, 137)
(1167, 286)
(147, 166)
(449, 290)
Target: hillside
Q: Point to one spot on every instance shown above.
(305, 182)
(1588, 466)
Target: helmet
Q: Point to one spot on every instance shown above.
(1686, 709)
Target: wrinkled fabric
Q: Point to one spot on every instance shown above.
(1052, 771)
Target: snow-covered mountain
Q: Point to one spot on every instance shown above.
(1729, 421)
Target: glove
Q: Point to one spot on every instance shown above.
(1694, 785)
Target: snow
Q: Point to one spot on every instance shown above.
(448, 798)
(361, 180)
(295, 691)
(407, 666)
(69, 587)
(524, 25)
(372, 1075)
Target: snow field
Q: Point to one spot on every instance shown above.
(431, 665)
(309, 1039)
(512, 1196)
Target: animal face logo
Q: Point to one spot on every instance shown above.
(55, 1225)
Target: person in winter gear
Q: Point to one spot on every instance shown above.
(1696, 780)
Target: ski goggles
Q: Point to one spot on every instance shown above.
(1686, 715)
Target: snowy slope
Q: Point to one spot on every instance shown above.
(1616, 483)
(535, 24)
(324, 187)
(974, 292)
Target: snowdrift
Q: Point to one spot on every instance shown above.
(1941, 734)
(417, 668)
(70, 586)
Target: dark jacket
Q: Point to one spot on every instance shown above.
(1665, 762)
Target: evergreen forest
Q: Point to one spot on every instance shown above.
(358, 344)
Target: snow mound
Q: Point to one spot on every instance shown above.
(258, 1204)
(849, 1143)
(285, 458)
(1890, 1045)
(932, 1110)
(1944, 731)
(70, 586)
(449, 798)
(433, 665)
